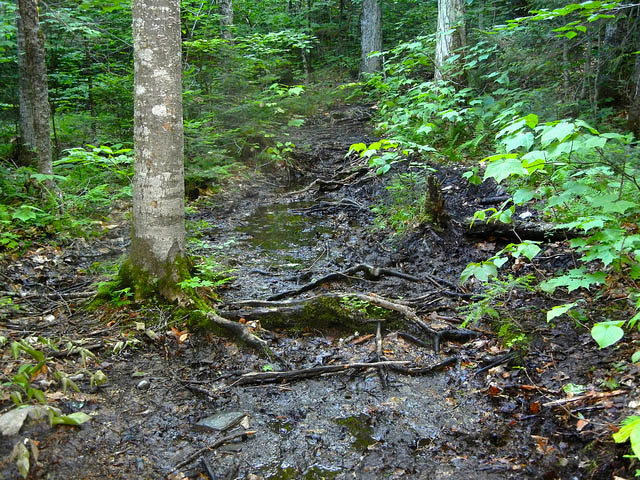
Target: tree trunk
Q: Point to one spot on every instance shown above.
(226, 18)
(27, 133)
(158, 232)
(634, 107)
(451, 34)
(33, 83)
(371, 31)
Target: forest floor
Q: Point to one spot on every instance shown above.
(181, 404)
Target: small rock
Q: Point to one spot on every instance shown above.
(49, 318)
(143, 385)
(525, 215)
(221, 421)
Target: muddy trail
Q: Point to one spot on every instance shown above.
(379, 391)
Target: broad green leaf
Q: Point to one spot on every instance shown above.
(595, 142)
(519, 140)
(75, 419)
(630, 430)
(635, 357)
(296, 122)
(559, 310)
(557, 132)
(574, 389)
(503, 168)
(527, 248)
(482, 271)
(573, 279)
(607, 333)
(25, 213)
(523, 195)
(531, 120)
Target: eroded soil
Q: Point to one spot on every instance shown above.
(512, 420)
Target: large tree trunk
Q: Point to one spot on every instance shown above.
(634, 107)
(34, 88)
(226, 18)
(371, 29)
(158, 232)
(451, 33)
(27, 133)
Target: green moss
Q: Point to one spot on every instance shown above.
(359, 427)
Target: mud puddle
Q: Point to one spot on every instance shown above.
(449, 423)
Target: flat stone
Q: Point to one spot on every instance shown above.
(221, 421)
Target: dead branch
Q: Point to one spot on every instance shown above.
(591, 397)
(194, 456)
(270, 377)
(424, 370)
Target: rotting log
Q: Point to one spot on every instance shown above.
(518, 230)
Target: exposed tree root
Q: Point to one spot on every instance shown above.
(256, 309)
(239, 330)
(369, 272)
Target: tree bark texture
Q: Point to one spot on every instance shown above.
(33, 85)
(27, 134)
(371, 36)
(158, 236)
(451, 33)
(634, 107)
(226, 18)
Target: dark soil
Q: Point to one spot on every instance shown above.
(471, 420)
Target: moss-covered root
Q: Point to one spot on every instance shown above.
(240, 331)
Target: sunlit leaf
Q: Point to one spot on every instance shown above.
(607, 333)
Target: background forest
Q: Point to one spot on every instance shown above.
(540, 97)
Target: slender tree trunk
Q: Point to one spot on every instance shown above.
(451, 34)
(634, 108)
(158, 232)
(90, 100)
(371, 36)
(226, 18)
(27, 133)
(35, 83)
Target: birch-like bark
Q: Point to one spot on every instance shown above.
(371, 36)
(451, 33)
(34, 87)
(158, 233)
(226, 18)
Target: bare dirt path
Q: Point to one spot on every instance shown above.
(173, 406)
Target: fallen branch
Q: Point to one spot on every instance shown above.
(195, 455)
(424, 370)
(591, 396)
(370, 273)
(344, 203)
(270, 377)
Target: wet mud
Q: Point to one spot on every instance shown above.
(169, 398)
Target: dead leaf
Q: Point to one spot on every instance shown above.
(581, 424)
(494, 390)
(534, 407)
